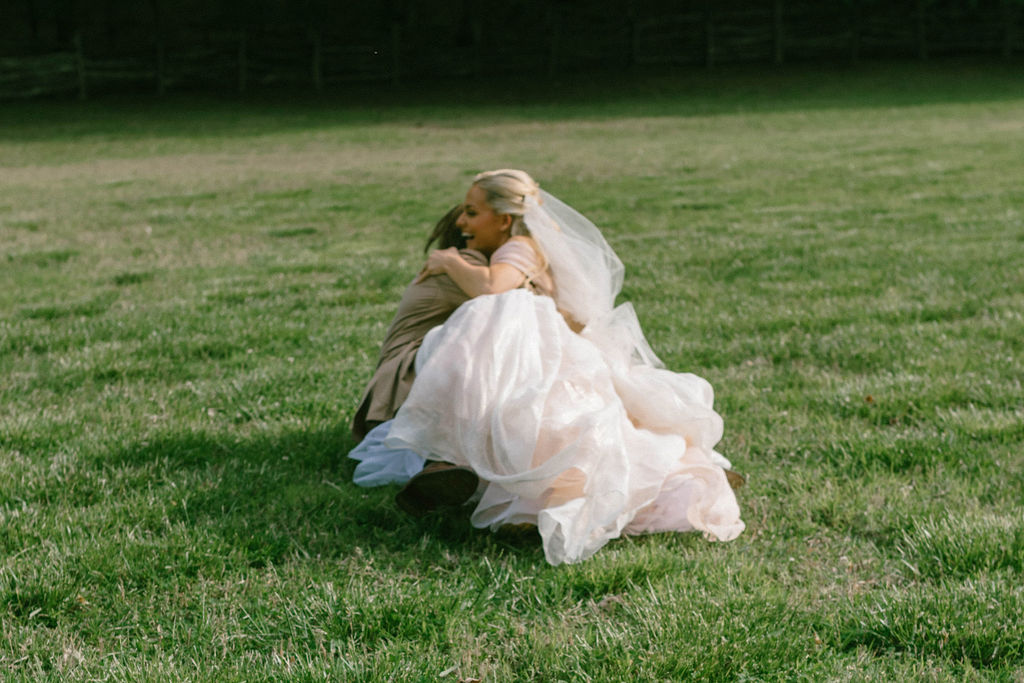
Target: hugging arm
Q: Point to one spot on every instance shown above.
(471, 279)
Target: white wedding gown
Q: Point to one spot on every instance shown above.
(565, 434)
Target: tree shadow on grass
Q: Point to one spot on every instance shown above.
(269, 498)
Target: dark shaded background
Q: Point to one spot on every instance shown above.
(85, 47)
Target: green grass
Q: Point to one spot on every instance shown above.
(192, 293)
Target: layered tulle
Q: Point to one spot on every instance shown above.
(564, 434)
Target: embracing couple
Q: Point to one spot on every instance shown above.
(509, 377)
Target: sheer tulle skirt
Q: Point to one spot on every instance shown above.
(582, 445)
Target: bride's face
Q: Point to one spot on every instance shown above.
(484, 229)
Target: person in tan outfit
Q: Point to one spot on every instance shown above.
(426, 303)
(496, 262)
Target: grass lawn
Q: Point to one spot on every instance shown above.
(192, 293)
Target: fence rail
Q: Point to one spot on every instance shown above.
(570, 38)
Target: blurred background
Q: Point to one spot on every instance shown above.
(86, 48)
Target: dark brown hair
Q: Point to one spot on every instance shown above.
(446, 233)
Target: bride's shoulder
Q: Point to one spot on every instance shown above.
(519, 250)
(519, 243)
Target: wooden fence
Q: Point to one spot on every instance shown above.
(570, 38)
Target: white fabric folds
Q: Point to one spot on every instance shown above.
(585, 435)
(380, 465)
(579, 434)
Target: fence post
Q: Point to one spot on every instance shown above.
(317, 72)
(396, 53)
(80, 64)
(33, 21)
(855, 30)
(478, 47)
(158, 30)
(554, 40)
(777, 25)
(1009, 28)
(632, 25)
(242, 66)
(709, 33)
(161, 66)
(922, 29)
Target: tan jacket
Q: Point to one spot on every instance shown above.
(424, 305)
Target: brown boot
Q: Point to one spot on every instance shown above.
(736, 480)
(439, 484)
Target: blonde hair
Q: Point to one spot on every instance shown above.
(506, 190)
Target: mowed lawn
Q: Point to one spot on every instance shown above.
(193, 291)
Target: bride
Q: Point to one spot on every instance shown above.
(545, 391)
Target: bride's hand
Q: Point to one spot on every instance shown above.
(437, 262)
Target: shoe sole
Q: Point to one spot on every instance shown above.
(736, 480)
(428, 491)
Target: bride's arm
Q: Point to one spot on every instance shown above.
(473, 280)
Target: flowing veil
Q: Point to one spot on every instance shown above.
(588, 277)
